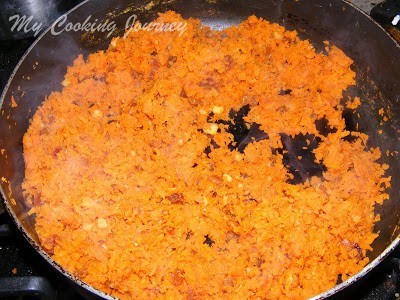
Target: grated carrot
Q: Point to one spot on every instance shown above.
(127, 198)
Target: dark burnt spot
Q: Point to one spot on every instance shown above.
(56, 151)
(339, 279)
(323, 127)
(298, 157)
(176, 198)
(210, 118)
(214, 144)
(250, 199)
(183, 94)
(207, 151)
(351, 124)
(255, 134)
(208, 241)
(171, 60)
(189, 235)
(209, 148)
(243, 133)
(242, 112)
(285, 92)
(259, 262)
(359, 251)
(99, 79)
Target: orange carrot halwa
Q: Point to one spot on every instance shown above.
(195, 166)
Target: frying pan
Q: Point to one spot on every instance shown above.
(376, 60)
(42, 12)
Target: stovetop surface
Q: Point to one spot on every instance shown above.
(19, 261)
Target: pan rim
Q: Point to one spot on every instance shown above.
(369, 267)
(6, 205)
(373, 21)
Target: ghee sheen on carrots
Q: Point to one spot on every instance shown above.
(143, 188)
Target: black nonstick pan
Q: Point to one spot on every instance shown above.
(376, 60)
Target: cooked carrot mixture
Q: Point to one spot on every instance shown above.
(206, 165)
